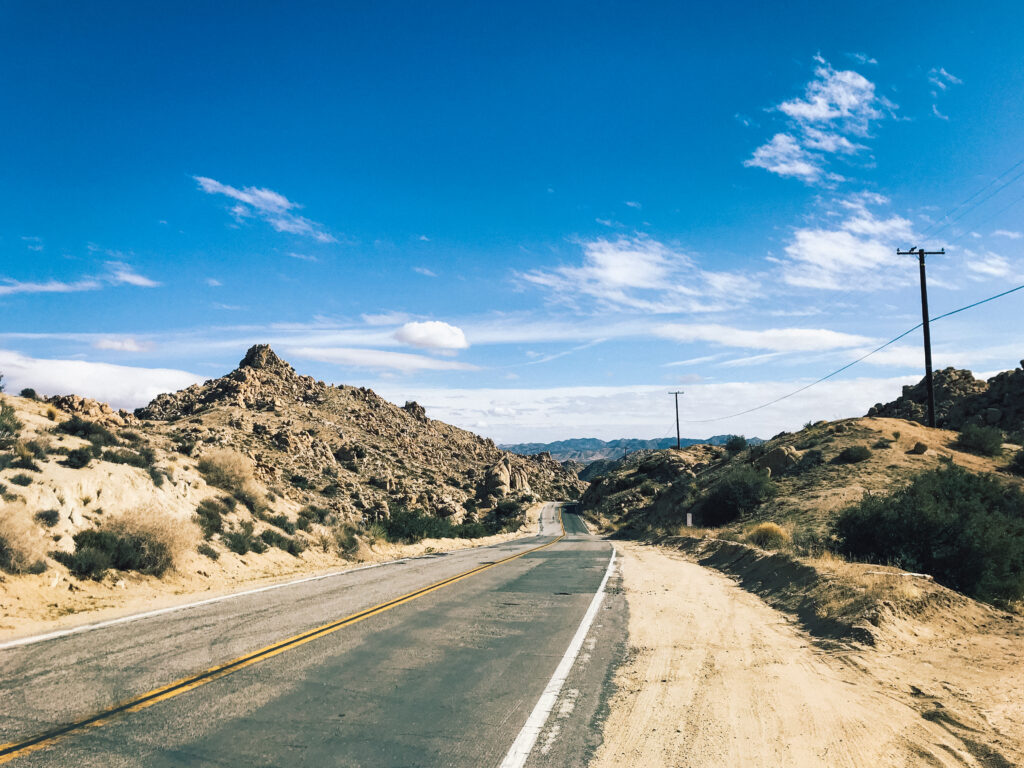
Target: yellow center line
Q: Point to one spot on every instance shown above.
(19, 748)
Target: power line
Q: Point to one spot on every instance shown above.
(853, 363)
(932, 229)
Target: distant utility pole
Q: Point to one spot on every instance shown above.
(921, 253)
(677, 394)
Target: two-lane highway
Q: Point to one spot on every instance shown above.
(439, 660)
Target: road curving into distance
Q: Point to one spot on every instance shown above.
(446, 659)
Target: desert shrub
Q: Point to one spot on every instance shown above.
(142, 458)
(738, 493)
(24, 458)
(1017, 464)
(242, 541)
(22, 480)
(985, 441)
(300, 481)
(648, 488)
(507, 515)
(853, 454)
(95, 433)
(345, 539)
(146, 540)
(207, 551)
(157, 475)
(6, 459)
(768, 536)
(919, 449)
(282, 522)
(29, 394)
(51, 413)
(22, 550)
(210, 515)
(78, 458)
(736, 443)
(881, 443)
(314, 514)
(331, 490)
(10, 425)
(47, 517)
(233, 472)
(966, 530)
(815, 457)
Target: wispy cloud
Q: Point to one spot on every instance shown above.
(213, 282)
(640, 274)
(858, 253)
(862, 58)
(634, 204)
(424, 271)
(127, 344)
(117, 273)
(270, 206)
(303, 257)
(378, 359)
(832, 118)
(1007, 233)
(775, 339)
(32, 242)
(941, 80)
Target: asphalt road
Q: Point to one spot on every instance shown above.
(444, 678)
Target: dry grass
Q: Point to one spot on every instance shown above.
(768, 535)
(22, 549)
(233, 472)
(163, 538)
(850, 588)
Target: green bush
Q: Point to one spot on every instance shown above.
(409, 526)
(966, 530)
(738, 493)
(143, 458)
(29, 394)
(985, 441)
(282, 522)
(22, 480)
(47, 517)
(78, 458)
(210, 515)
(1017, 464)
(314, 514)
(273, 538)
(812, 458)
(10, 425)
(95, 433)
(853, 454)
(208, 551)
(736, 443)
(300, 481)
(96, 551)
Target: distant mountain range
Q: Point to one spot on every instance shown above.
(587, 449)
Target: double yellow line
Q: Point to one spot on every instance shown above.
(41, 741)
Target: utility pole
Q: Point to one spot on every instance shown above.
(677, 394)
(921, 253)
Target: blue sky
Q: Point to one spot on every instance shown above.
(534, 218)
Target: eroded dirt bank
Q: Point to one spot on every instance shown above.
(717, 677)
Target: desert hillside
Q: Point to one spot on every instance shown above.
(258, 473)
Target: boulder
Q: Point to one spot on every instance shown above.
(778, 460)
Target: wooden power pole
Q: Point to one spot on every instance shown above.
(921, 253)
(677, 394)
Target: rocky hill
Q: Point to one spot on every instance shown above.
(962, 399)
(588, 449)
(262, 471)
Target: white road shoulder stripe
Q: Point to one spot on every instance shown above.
(527, 738)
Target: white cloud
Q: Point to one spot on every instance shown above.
(32, 242)
(942, 79)
(836, 105)
(432, 334)
(303, 257)
(1007, 233)
(126, 344)
(988, 265)
(634, 204)
(862, 58)
(377, 359)
(120, 273)
(858, 253)
(518, 415)
(385, 318)
(424, 271)
(213, 282)
(274, 208)
(776, 339)
(784, 156)
(9, 287)
(935, 111)
(638, 273)
(120, 385)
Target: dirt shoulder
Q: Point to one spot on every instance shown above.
(715, 676)
(36, 604)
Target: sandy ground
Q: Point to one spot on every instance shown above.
(715, 677)
(31, 605)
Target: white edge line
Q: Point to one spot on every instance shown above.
(31, 640)
(520, 750)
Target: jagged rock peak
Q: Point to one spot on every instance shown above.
(262, 357)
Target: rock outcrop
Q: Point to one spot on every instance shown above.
(91, 409)
(962, 399)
